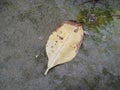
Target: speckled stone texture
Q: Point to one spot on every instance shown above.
(24, 29)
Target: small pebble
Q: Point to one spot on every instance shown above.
(36, 56)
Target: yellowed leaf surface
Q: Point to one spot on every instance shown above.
(63, 44)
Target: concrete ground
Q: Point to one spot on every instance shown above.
(25, 26)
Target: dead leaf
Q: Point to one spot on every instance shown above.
(63, 44)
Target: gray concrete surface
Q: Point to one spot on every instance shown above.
(24, 29)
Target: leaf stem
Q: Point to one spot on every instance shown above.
(46, 71)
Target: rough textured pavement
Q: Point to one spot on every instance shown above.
(24, 29)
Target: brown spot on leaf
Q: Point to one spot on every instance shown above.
(56, 41)
(72, 22)
(76, 30)
(61, 38)
(61, 32)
